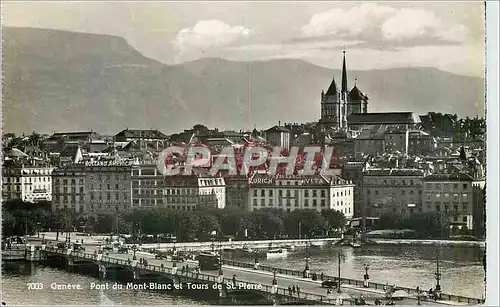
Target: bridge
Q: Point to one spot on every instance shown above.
(268, 282)
(272, 283)
(206, 284)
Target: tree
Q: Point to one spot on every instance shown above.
(334, 219)
(208, 223)
(389, 221)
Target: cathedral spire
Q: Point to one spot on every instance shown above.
(344, 76)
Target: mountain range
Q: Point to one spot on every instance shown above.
(67, 81)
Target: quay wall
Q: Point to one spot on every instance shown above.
(197, 246)
(427, 242)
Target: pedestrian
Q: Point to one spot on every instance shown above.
(187, 267)
(322, 276)
(293, 289)
(298, 291)
(290, 290)
(234, 279)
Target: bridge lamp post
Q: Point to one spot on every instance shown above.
(38, 228)
(340, 259)
(366, 276)
(307, 260)
(221, 274)
(134, 249)
(437, 274)
(275, 283)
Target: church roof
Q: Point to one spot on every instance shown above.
(332, 90)
(355, 94)
(400, 118)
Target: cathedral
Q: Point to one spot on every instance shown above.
(337, 105)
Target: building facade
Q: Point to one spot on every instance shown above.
(237, 192)
(396, 191)
(301, 192)
(28, 183)
(453, 196)
(278, 136)
(107, 186)
(68, 189)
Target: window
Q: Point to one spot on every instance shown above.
(438, 196)
(306, 193)
(438, 186)
(255, 193)
(323, 203)
(271, 193)
(280, 193)
(464, 197)
(323, 193)
(306, 202)
(464, 219)
(455, 185)
(263, 193)
(271, 203)
(315, 194)
(403, 192)
(287, 193)
(116, 186)
(445, 186)
(73, 181)
(255, 202)
(262, 202)
(314, 203)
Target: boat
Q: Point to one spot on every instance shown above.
(277, 253)
(317, 244)
(290, 247)
(354, 244)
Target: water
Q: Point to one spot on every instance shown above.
(16, 277)
(410, 266)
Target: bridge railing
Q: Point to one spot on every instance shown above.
(206, 277)
(348, 281)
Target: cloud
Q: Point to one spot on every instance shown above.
(208, 34)
(377, 23)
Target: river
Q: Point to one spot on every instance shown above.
(410, 266)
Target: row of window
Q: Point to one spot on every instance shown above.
(446, 197)
(291, 193)
(108, 186)
(408, 182)
(29, 179)
(108, 196)
(108, 177)
(65, 181)
(445, 186)
(403, 192)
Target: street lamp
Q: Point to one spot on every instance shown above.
(366, 276)
(220, 262)
(306, 270)
(38, 228)
(134, 249)
(340, 258)
(437, 274)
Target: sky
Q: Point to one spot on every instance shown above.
(376, 35)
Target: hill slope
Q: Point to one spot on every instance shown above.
(63, 81)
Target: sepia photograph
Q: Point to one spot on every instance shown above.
(244, 153)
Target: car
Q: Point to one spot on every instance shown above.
(329, 284)
(123, 250)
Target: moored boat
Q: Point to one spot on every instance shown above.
(277, 253)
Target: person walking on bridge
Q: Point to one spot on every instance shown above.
(293, 289)
(290, 290)
(298, 291)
